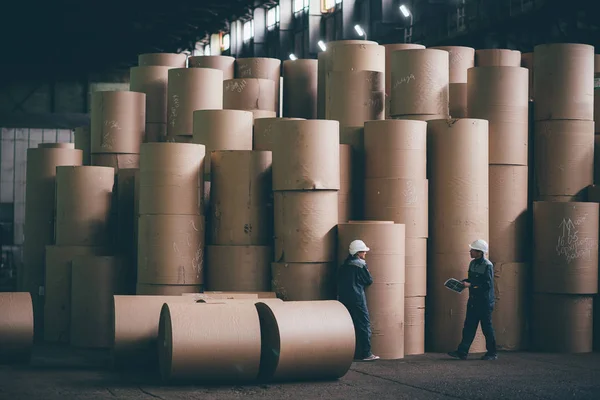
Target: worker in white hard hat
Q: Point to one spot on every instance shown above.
(353, 277)
(481, 302)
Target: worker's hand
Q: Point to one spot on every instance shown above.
(466, 284)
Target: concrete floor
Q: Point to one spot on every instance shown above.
(62, 373)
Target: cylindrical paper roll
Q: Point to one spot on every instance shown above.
(171, 178)
(565, 247)
(527, 62)
(241, 206)
(191, 89)
(573, 334)
(83, 142)
(227, 349)
(223, 63)
(420, 81)
(389, 49)
(163, 59)
(564, 157)
(300, 89)
(306, 155)
(84, 206)
(461, 59)
(127, 213)
(414, 325)
(305, 226)
(563, 82)
(167, 290)
(353, 97)
(94, 282)
(56, 146)
(153, 82)
(458, 100)
(386, 309)
(249, 94)
(497, 58)
(261, 68)
(509, 219)
(395, 149)
(416, 267)
(263, 132)
(356, 56)
(458, 185)
(500, 95)
(118, 122)
(510, 312)
(304, 281)
(179, 263)
(238, 268)
(116, 161)
(305, 340)
(16, 327)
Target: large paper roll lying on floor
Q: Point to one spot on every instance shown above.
(305, 340)
(16, 327)
(209, 342)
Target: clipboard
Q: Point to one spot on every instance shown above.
(455, 285)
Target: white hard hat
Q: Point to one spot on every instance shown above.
(480, 245)
(357, 246)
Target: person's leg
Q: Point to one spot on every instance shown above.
(362, 324)
(469, 330)
(488, 332)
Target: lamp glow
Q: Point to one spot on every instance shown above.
(404, 10)
(322, 45)
(293, 57)
(359, 30)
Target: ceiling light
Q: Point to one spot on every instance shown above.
(359, 30)
(322, 45)
(293, 57)
(404, 10)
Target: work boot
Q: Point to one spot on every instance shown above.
(456, 354)
(490, 357)
(372, 357)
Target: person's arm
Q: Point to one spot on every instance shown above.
(487, 280)
(364, 276)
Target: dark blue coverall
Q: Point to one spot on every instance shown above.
(480, 306)
(353, 277)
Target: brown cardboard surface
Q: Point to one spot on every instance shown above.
(83, 142)
(564, 157)
(404, 201)
(39, 220)
(509, 216)
(458, 185)
(395, 149)
(16, 327)
(56, 146)
(457, 93)
(422, 117)
(416, 267)
(386, 308)
(510, 316)
(163, 59)
(305, 226)
(565, 247)
(94, 282)
(224, 63)
(420, 81)
(300, 89)
(227, 349)
(306, 155)
(126, 213)
(305, 340)
(353, 97)
(500, 95)
(250, 94)
(564, 82)
(389, 49)
(414, 325)
(118, 122)
(261, 68)
(258, 114)
(116, 161)
(222, 130)
(217, 294)
(238, 268)
(152, 80)
(57, 289)
(562, 323)
(241, 209)
(304, 281)
(166, 290)
(461, 59)
(171, 178)
(497, 58)
(171, 249)
(191, 89)
(84, 206)
(356, 56)
(263, 132)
